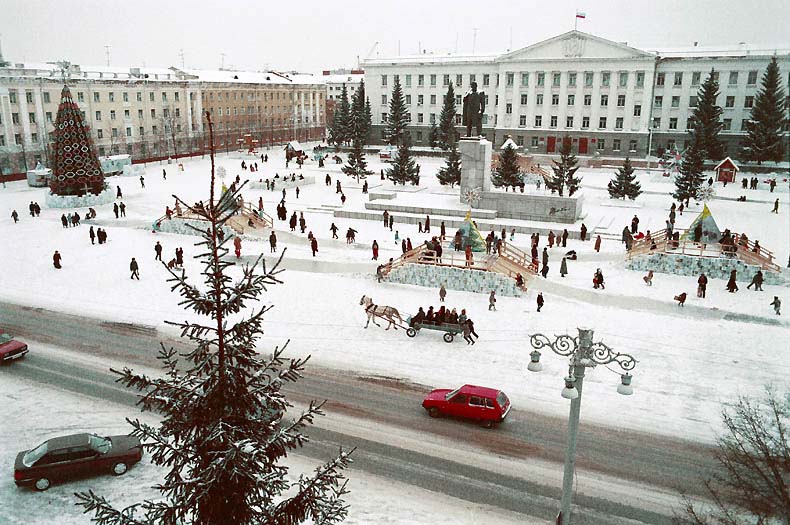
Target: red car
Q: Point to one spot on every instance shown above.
(10, 348)
(487, 406)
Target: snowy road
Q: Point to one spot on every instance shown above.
(515, 467)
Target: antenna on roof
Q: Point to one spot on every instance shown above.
(474, 39)
(222, 61)
(511, 39)
(107, 52)
(181, 54)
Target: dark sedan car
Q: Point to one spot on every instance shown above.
(75, 456)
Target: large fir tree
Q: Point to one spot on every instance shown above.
(404, 168)
(706, 120)
(447, 134)
(451, 172)
(690, 178)
(359, 126)
(368, 120)
(764, 141)
(433, 136)
(357, 165)
(342, 132)
(565, 170)
(224, 429)
(624, 183)
(398, 117)
(507, 173)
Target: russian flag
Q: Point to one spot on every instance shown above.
(580, 14)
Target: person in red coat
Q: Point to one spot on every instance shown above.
(375, 251)
(237, 246)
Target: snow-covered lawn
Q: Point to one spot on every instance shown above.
(690, 360)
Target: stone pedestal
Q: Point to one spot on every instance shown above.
(475, 164)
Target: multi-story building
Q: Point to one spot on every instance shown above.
(611, 99)
(154, 113)
(335, 80)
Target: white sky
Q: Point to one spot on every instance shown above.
(311, 35)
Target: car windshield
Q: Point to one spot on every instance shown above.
(100, 444)
(502, 399)
(4, 338)
(30, 458)
(450, 395)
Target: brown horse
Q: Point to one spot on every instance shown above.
(388, 313)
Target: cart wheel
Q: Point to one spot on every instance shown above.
(448, 337)
(411, 332)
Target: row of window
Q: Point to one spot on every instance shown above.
(266, 95)
(12, 96)
(696, 77)
(540, 79)
(729, 101)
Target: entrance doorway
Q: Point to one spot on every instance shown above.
(582, 145)
(551, 142)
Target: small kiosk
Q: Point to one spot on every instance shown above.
(726, 170)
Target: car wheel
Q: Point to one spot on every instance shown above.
(434, 412)
(448, 337)
(487, 423)
(119, 468)
(411, 332)
(42, 484)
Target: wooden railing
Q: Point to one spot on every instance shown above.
(238, 222)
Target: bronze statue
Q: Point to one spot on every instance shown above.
(474, 106)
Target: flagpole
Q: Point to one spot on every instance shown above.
(575, 22)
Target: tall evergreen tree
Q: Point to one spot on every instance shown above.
(359, 127)
(368, 120)
(357, 165)
(398, 117)
(223, 430)
(447, 134)
(433, 136)
(404, 168)
(624, 183)
(451, 172)
(706, 120)
(690, 179)
(565, 170)
(343, 111)
(507, 173)
(764, 141)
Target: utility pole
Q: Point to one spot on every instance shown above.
(107, 53)
(474, 39)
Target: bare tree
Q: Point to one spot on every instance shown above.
(171, 129)
(754, 455)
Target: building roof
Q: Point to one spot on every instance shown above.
(346, 78)
(737, 50)
(429, 58)
(727, 160)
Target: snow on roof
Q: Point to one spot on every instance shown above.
(736, 50)
(347, 78)
(509, 142)
(726, 160)
(429, 59)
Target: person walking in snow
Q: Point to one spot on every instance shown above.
(273, 242)
(598, 281)
(635, 224)
(333, 229)
(702, 285)
(545, 257)
(92, 235)
(115, 209)
(122, 207)
(492, 301)
(164, 174)
(757, 281)
(583, 232)
(302, 222)
(56, 258)
(32, 209)
(118, 193)
(135, 269)
(427, 224)
(442, 293)
(777, 304)
(15, 216)
(551, 239)
(776, 206)
(297, 192)
(314, 245)
(158, 250)
(564, 237)
(64, 221)
(237, 246)
(375, 248)
(732, 285)
(292, 222)
(540, 300)
(392, 221)
(386, 216)
(142, 181)
(563, 268)
(598, 244)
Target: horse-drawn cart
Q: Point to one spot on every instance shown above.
(449, 329)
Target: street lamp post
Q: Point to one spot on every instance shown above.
(582, 354)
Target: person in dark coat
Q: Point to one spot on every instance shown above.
(442, 231)
(302, 222)
(273, 242)
(551, 239)
(540, 300)
(333, 229)
(634, 224)
(32, 209)
(418, 318)
(776, 206)
(375, 248)
(757, 281)
(681, 299)
(56, 260)
(64, 221)
(698, 232)
(564, 237)
(134, 269)
(179, 257)
(563, 268)
(92, 235)
(598, 281)
(409, 247)
(702, 285)
(403, 246)
(598, 243)
(732, 285)
(583, 232)
(122, 207)
(545, 256)
(386, 216)
(158, 250)
(777, 304)
(442, 293)
(427, 224)
(544, 271)
(119, 193)
(15, 216)
(115, 209)
(237, 246)
(392, 221)
(142, 182)
(292, 222)
(314, 245)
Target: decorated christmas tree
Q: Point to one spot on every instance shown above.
(75, 168)
(470, 235)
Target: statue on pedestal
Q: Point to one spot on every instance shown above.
(474, 106)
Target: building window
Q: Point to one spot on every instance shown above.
(384, 117)
(604, 100)
(420, 118)
(140, 96)
(142, 131)
(433, 100)
(153, 113)
(585, 122)
(535, 141)
(690, 123)
(126, 97)
(420, 99)
(525, 79)
(508, 108)
(637, 110)
(34, 137)
(601, 144)
(620, 101)
(748, 102)
(618, 123)
(588, 79)
(660, 79)
(151, 96)
(541, 79)
(696, 76)
(432, 118)
(2, 140)
(571, 100)
(522, 120)
(140, 114)
(419, 136)
(408, 100)
(509, 79)
(48, 116)
(96, 97)
(727, 124)
(675, 102)
(588, 100)
(458, 100)
(729, 102)
(568, 122)
(553, 121)
(658, 101)
(12, 97)
(31, 117)
(602, 123)
(459, 80)
(112, 114)
(539, 99)
(640, 79)
(632, 145)
(486, 79)
(114, 132)
(693, 100)
(616, 145)
(733, 78)
(623, 78)
(605, 76)
(46, 97)
(98, 115)
(555, 79)
(80, 96)
(433, 80)
(656, 122)
(384, 80)
(678, 81)
(745, 124)
(472, 78)
(408, 80)
(29, 97)
(752, 78)
(523, 99)
(166, 112)
(538, 121)
(420, 80)
(18, 139)
(445, 80)
(458, 119)
(111, 95)
(572, 79)
(673, 123)
(384, 99)
(555, 99)
(99, 133)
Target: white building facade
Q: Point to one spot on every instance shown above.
(611, 99)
